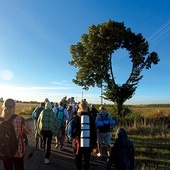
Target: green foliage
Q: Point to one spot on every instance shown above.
(93, 59)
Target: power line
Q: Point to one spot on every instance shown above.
(156, 37)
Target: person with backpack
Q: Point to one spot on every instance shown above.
(85, 136)
(122, 152)
(70, 113)
(34, 116)
(93, 111)
(103, 132)
(55, 108)
(47, 126)
(20, 128)
(62, 116)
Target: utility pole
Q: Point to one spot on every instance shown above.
(101, 93)
(82, 95)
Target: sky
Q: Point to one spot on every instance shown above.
(35, 37)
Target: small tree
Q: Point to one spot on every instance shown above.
(93, 58)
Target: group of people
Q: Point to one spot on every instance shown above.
(52, 121)
(89, 137)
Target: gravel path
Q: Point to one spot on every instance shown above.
(59, 160)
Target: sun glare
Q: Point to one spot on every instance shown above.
(6, 74)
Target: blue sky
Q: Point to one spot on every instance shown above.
(35, 36)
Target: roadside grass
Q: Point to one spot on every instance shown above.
(23, 109)
(152, 151)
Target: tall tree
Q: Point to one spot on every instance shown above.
(93, 59)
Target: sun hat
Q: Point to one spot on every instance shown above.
(8, 103)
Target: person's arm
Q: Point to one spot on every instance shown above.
(55, 128)
(66, 114)
(55, 111)
(26, 127)
(38, 123)
(33, 115)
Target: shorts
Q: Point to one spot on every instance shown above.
(103, 137)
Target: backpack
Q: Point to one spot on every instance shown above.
(8, 139)
(106, 124)
(71, 131)
(60, 117)
(36, 113)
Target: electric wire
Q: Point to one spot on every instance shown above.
(156, 37)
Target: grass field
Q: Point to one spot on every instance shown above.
(24, 109)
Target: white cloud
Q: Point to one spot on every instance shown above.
(60, 83)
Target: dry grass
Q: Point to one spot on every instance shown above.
(21, 107)
(152, 111)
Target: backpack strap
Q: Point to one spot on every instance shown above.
(23, 136)
(12, 118)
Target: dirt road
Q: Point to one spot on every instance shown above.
(59, 160)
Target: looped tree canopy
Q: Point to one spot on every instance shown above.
(93, 58)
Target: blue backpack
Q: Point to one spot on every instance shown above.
(106, 124)
(60, 117)
(71, 130)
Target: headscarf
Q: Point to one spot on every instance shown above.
(48, 105)
(121, 136)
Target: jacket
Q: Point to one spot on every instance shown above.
(93, 133)
(47, 121)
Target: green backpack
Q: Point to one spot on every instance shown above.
(60, 116)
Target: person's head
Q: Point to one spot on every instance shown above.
(48, 105)
(42, 104)
(61, 103)
(121, 135)
(46, 100)
(83, 106)
(8, 108)
(56, 104)
(101, 108)
(92, 106)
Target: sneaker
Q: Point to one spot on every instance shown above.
(99, 155)
(108, 157)
(57, 145)
(61, 148)
(46, 161)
